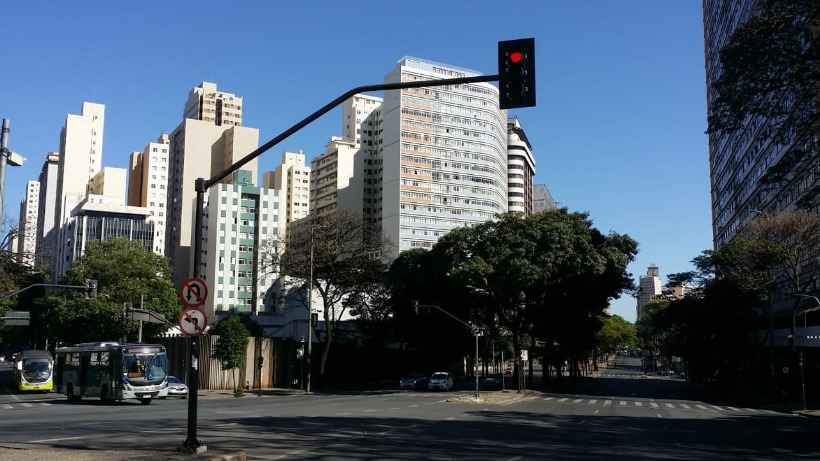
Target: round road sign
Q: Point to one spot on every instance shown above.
(193, 292)
(193, 322)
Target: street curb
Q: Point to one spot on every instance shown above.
(809, 413)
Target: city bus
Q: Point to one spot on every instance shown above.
(113, 371)
(33, 371)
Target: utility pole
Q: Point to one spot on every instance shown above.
(4, 146)
(142, 307)
(309, 347)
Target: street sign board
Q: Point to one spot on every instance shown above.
(193, 322)
(193, 292)
(15, 322)
(524, 355)
(15, 319)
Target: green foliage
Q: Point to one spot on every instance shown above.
(616, 334)
(231, 347)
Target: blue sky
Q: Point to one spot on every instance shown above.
(618, 130)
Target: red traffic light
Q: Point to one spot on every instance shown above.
(516, 57)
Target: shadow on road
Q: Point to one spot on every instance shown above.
(649, 388)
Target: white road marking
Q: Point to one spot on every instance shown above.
(562, 400)
(344, 413)
(514, 458)
(370, 410)
(547, 398)
(751, 410)
(394, 409)
(595, 412)
(638, 404)
(701, 407)
(716, 407)
(669, 405)
(593, 402)
(27, 405)
(45, 404)
(59, 439)
(769, 412)
(450, 418)
(300, 451)
(733, 408)
(413, 406)
(653, 404)
(577, 400)
(685, 406)
(622, 403)
(659, 415)
(607, 403)
(7, 407)
(226, 424)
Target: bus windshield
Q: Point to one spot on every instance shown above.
(141, 369)
(36, 368)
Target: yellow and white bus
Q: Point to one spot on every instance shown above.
(34, 371)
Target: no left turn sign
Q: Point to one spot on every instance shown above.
(193, 292)
(193, 322)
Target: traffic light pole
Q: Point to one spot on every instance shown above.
(202, 185)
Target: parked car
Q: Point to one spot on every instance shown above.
(176, 388)
(421, 384)
(490, 383)
(408, 382)
(441, 380)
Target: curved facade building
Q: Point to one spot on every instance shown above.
(520, 169)
(444, 156)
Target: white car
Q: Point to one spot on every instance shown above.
(176, 388)
(441, 381)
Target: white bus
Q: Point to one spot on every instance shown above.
(113, 371)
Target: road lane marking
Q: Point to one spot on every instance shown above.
(344, 413)
(653, 404)
(622, 403)
(717, 408)
(394, 409)
(593, 402)
(595, 412)
(370, 410)
(752, 410)
(7, 407)
(685, 406)
(733, 408)
(413, 406)
(701, 407)
(450, 418)
(27, 405)
(562, 400)
(638, 404)
(577, 400)
(659, 415)
(547, 398)
(669, 405)
(59, 439)
(607, 403)
(45, 404)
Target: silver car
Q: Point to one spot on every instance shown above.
(177, 388)
(440, 381)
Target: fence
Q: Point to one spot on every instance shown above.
(268, 363)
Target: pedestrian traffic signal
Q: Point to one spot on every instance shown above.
(516, 73)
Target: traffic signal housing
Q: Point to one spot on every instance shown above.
(516, 73)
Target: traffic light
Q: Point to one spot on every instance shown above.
(516, 73)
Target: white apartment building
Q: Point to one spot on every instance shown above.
(29, 209)
(242, 221)
(111, 183)
(444, 156)
(46, 230)
(292, 179)
(648, 288)
(362, 124)
(81, 144)
(208, 104)
(148, 185)
(198, 149)
(331, 175)
(520, 169)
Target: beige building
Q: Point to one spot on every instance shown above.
(292, 179)
(198, 149)
(29, 207)
(330, 179)
(520, 169)
(649, 287)
(111, 183)
(46, 230)
(208, 104)
(362, 123)
(148, 185)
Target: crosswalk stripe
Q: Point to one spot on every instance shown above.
(733, 408)
(593, 402)
(45, 404)
(577, 400)
(638, 404)
(547, 398)
(701, 407)
(751, 410)
(607, 403)
(7, 407)
(653, 404)
(669, 405)
(27, 405)
(769, 412)
(562, 400)
(622, 403)
(685, 406)
(716, 407)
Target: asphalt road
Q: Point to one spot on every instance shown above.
(410, 425)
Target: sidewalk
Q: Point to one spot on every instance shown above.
(221, 394)
(13, 453)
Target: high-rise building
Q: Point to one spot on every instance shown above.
(520, 169)
(738, 160)
(362, 124)
(148, 185)
(444, 156)
(542, 199)
(27, 225)
(330, 179)
(649, 287)
(242, 221)
(46, 230)
(208, 104)
(292, 179)
(198, 149)
(110, 182)
(100, 218)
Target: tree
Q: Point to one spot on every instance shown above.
(232, 345)
(769, 73)
(346, 261)
(125, 271)
(616, 334)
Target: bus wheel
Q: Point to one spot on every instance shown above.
(145, 401)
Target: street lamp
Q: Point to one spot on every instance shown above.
(6, 157)
(795, 313)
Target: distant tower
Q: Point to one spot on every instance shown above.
(650, 286)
